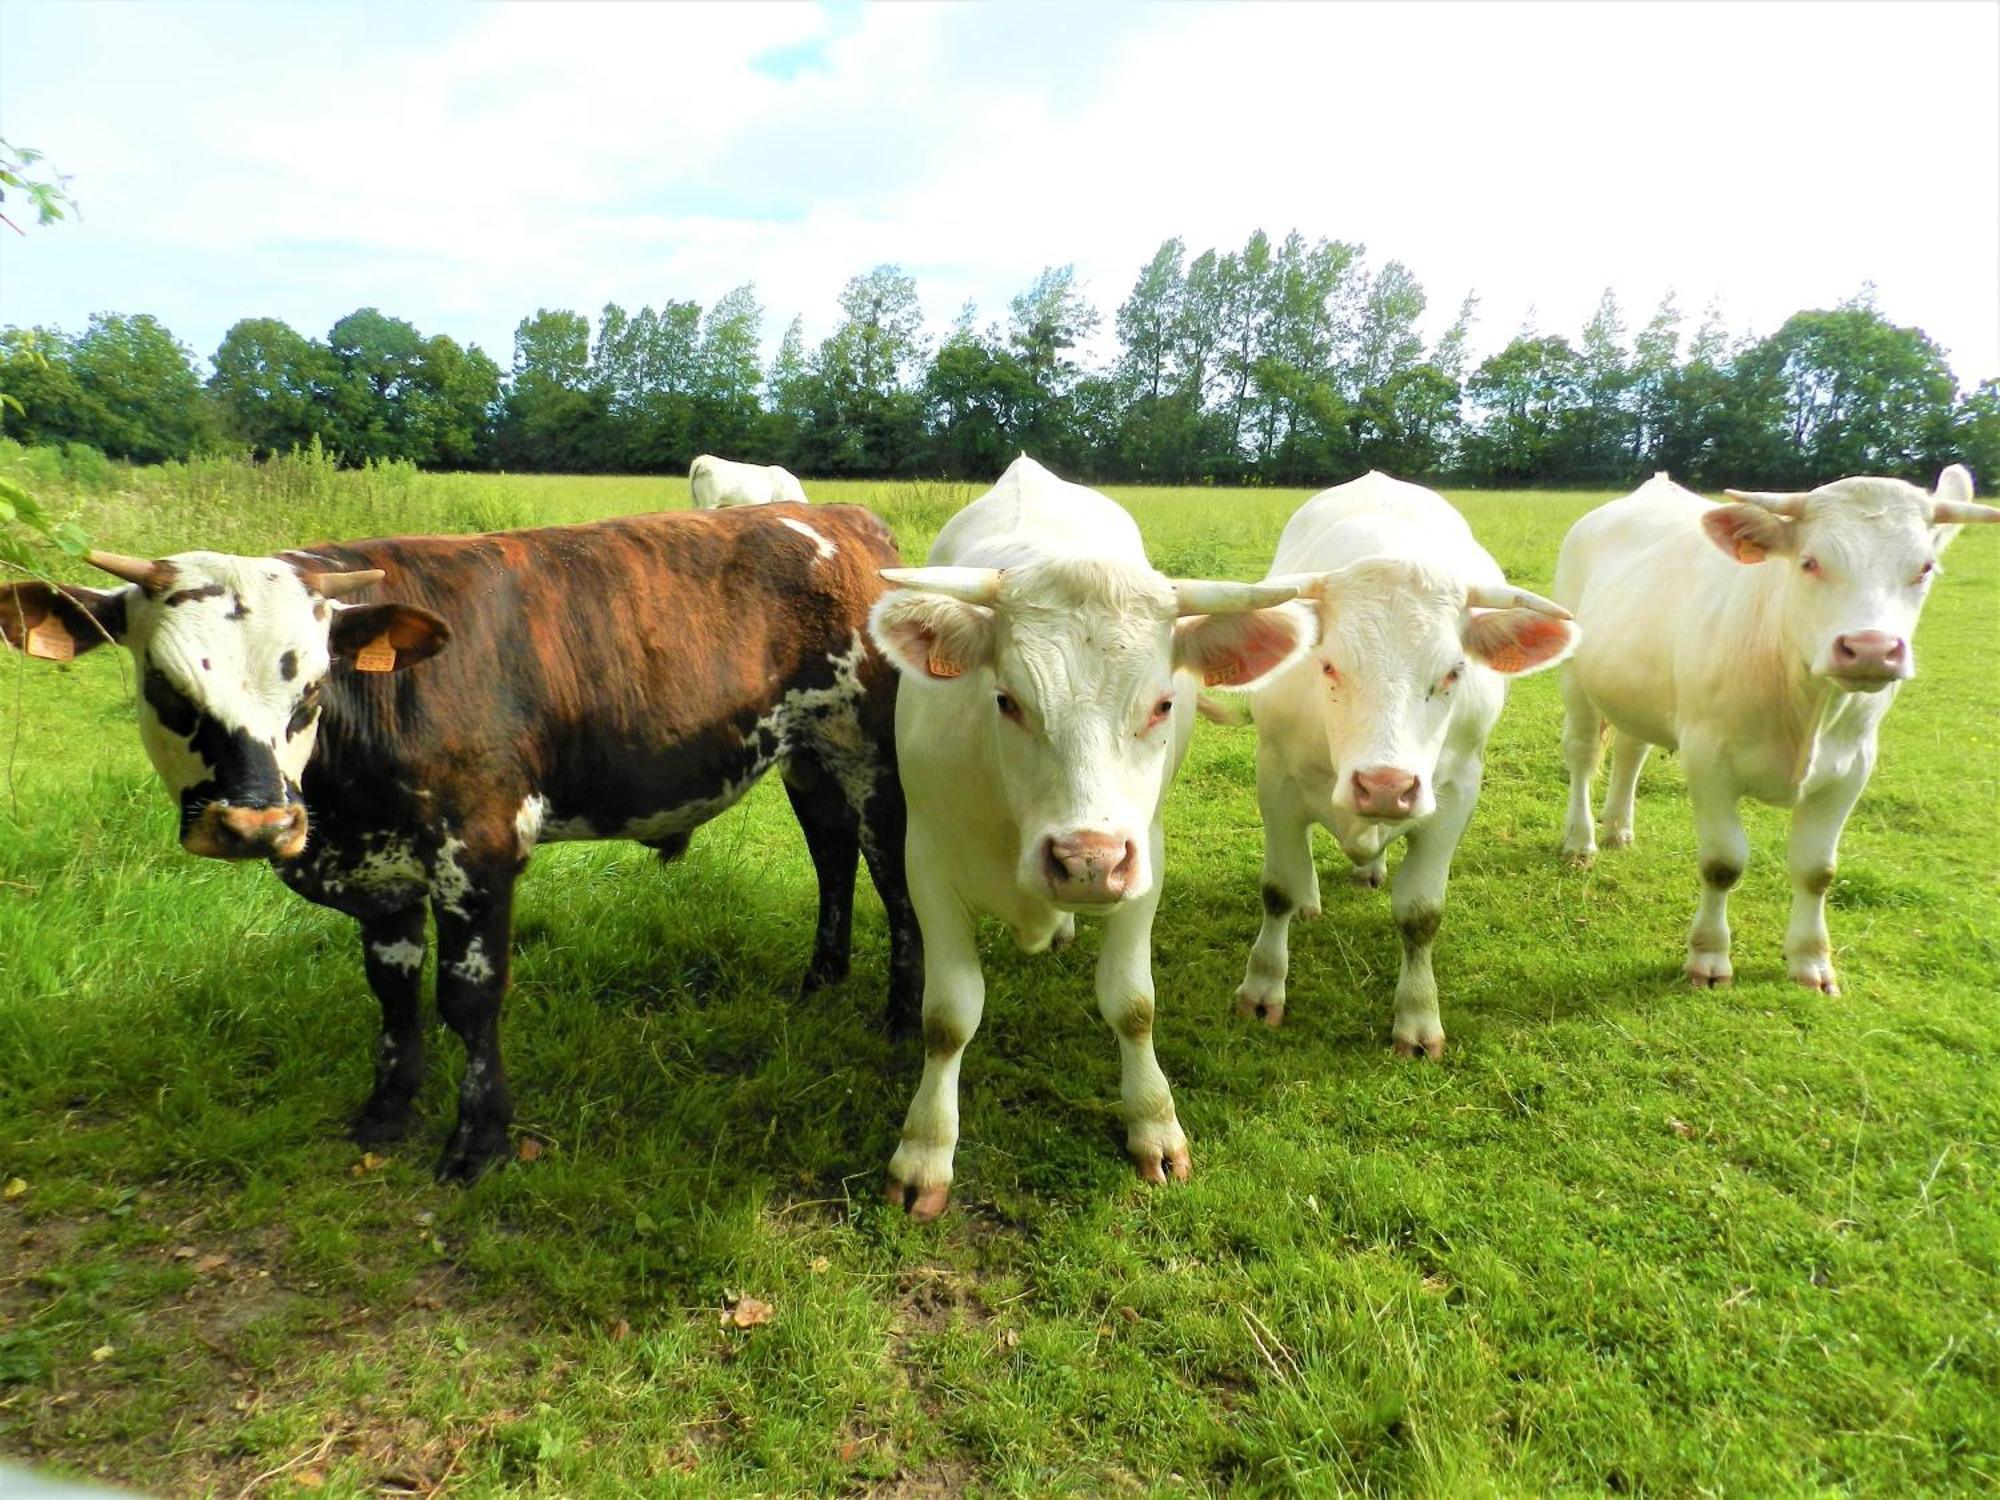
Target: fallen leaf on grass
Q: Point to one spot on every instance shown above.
(309, 1479)
(819, 1264)
(530, 1149)
(369, 1162)
(745, 1311)
(15, 1188)
(1680, 1128)
(1129, 1314)
(209, 1264)
(851, 1450)
(620, 1331)
(184, 1252)
(101, 1353)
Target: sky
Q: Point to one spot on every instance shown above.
(461, 165)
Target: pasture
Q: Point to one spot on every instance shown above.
(1626, 1236)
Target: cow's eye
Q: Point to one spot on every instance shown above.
(1009, 709)
(1332, 677)
(1450, 680)
(1926, 570)
(1160, 711)
(1809, 565)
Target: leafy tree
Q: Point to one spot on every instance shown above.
(272, 386)
(140, 397)
(1529, 395)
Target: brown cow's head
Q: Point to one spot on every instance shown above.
(232, 653)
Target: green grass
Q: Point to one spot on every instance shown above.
(1625, 1237)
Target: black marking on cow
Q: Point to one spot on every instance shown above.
(1720, 873)
(1419, 927)
(238, 609)
(204, 664)
(170, 706)
(288, 665)
(188, 596)
(1276, 902)
(303, 717)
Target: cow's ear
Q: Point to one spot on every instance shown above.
(1241, 650)
(386, 637)
(932, 635)
(1750, 533)
(1518, 641)
(58, 623)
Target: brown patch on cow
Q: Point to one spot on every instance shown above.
(189, 596)
(238, 610)
(1276, 902)
(1720, 873)
(1136, 1023)
(942, 1039)
(1817, 882)
(1419, 927)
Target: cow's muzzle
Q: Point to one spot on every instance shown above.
(224, 831)
(1865, 661)
(1089, 869)
(1386, 792)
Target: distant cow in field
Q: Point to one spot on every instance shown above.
(1765, 640)
(629, 679)
(1380, 731)
(1049, 681)
(718, 483)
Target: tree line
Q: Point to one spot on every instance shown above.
(1288, 362)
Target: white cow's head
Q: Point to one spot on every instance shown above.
(1074, 665)
(1859, 556)
(1399, 642)
(232, 653)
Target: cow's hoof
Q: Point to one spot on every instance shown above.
(1617, 837)
(1065, 933)
(379, 1125)
(822, 972)
(471, 1155)
(1709, 971)
(1815, 974)
(1427, 1046)
(1371, 875)
(1261, 1004)
(1164, 1160)
(921, 1203)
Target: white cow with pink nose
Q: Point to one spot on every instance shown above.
(1049, 677)
(1765, 641)
(1380, 731)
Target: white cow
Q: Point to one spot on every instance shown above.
(1380, 732)
(1771, 681)
(1048, 696)
(718, 482)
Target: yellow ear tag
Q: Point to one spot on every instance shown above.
(938, 667)
(377, 656)
(51, 641)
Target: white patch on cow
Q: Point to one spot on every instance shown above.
(825, 550)
(450, 885)
(401, 954)
(474, 967)
(528, 820)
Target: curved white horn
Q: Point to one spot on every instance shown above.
(1207, 596)
(1778, 502)
(334, 585)
(150, 576)
(1507, 596)
(972, 585)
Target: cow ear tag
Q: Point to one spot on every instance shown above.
(377, 656)
(50, 641)
(939, 667)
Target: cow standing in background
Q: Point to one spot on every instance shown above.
(718, 483)
(1380, 732)
(1050, 676)
(629, 679)
(1765, 640)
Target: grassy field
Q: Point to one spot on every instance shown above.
(1626, 1237)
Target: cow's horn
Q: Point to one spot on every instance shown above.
(334, 585)
(1507, 596)
(150, 576)
(1779, 503)
(1207, 596)
(973, 585)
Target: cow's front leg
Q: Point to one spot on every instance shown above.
(1583, 746)
(1153, 1136)
(392, 953)
(833, 839)
(1721, 852)
(1290, 886)
(473, 931)
(1417, 903)
(1815, 850)
(883, 832)
(954, 996)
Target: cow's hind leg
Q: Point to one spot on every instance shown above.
(392, 952)
(1290, 886)
(833, 838)
(473, 937)
(884, 828)
(1583, 745)
(1621, 788)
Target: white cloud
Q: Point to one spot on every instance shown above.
(462, 166)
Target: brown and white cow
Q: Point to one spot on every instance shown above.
(1765, 640)
(629, 679)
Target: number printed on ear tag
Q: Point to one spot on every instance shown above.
(50, 641)
(377, 656)
(939, 667)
